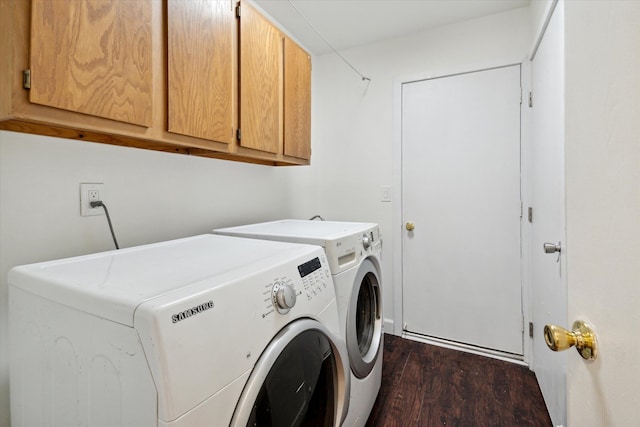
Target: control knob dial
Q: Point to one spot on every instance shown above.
(283, 296)
(366, 241)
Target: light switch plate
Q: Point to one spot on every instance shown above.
(385, 193)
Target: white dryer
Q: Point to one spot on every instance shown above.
(208, 330)
(353, 253)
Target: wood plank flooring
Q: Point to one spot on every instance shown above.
(425, 385)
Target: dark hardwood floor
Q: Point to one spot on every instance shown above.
(425, 385)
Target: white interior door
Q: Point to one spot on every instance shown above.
(602, 128)
(549, 289)
(461, 265)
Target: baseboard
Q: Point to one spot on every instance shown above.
(505, 357)
(387, 326)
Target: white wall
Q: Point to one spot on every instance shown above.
(353, 127)
(539, 15)
(352, 157)
(151, 197)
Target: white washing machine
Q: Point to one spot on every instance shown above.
(208, 330)
(353, 253)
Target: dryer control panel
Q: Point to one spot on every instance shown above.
(282, 294)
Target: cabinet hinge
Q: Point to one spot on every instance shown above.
(530, 99)
(530, 329)
(238, 134)
(26, 79)
(238, 10)
(530, 214)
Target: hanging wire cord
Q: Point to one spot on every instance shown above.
(106, 211)
(327, 43)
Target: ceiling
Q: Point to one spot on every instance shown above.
(348, 23)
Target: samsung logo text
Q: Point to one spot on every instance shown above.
(191, 312)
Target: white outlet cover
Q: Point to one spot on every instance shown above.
(85, 207)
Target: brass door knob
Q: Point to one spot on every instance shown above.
(582, 337)
(410, 226)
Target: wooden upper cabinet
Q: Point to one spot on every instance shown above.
(297, 101)
(93, 57)
(178, 76)
(260, 82)
(200, 68)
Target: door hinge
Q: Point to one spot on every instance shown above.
(238, 134)
(26, 79)
(530, 214)
(238, 10)
(520, 96)
(530, 99)
(530, 329)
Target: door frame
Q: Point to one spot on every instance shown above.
(397, 221)
(549, 284)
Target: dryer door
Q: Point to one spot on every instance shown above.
(364, 320)
(300, 379)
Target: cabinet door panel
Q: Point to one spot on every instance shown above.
(200, 48)
(93, 57)
(260, 77)
(297, 101)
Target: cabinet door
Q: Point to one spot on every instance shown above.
(93, 57)
(200, 53)
(297, 101)
(260, 82)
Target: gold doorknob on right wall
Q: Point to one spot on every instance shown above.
(410, 226)
(582, 337)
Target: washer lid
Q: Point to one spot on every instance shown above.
(113, 284)
(302, 231)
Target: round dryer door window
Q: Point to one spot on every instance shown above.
(296, 382)
(364, 321)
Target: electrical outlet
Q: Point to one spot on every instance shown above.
(91, 192)
(94, 196)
